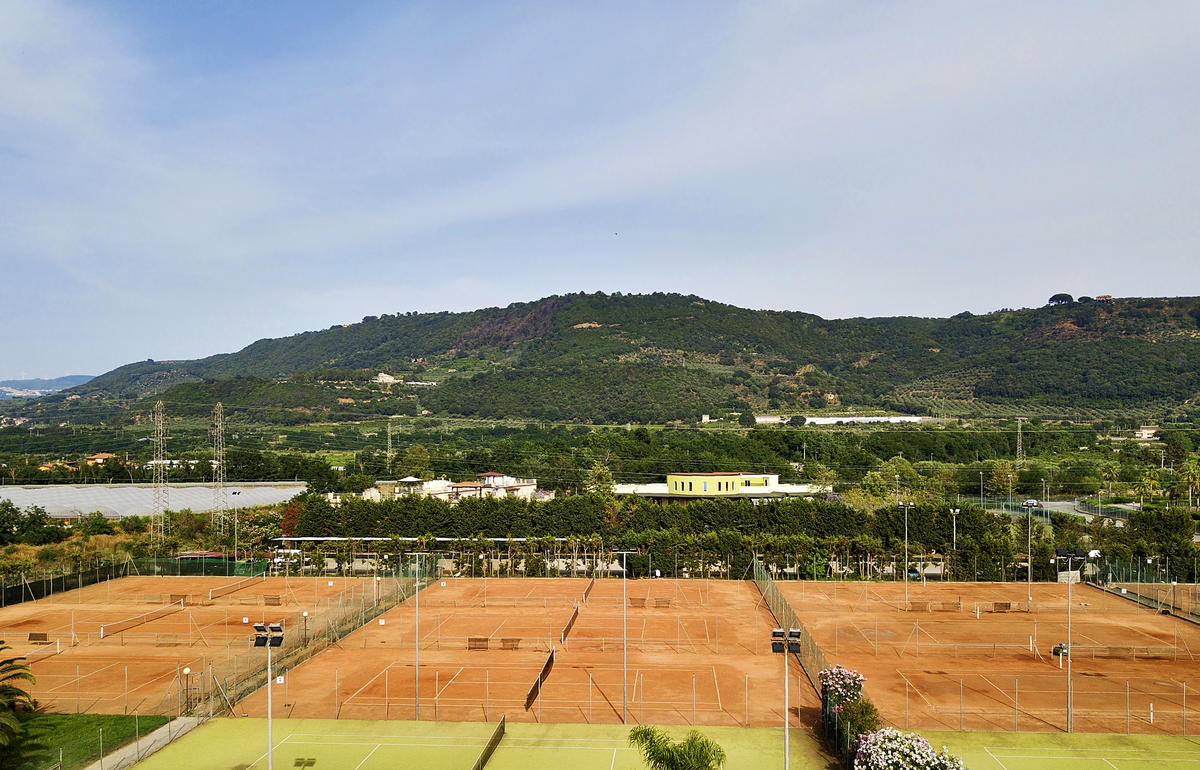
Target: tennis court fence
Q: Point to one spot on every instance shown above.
(1149, 587)
(810, 657)
(243, 670)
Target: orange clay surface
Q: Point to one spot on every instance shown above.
(136, 669)
(939, 667)
(698, 651)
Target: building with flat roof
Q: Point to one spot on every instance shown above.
(735, 484)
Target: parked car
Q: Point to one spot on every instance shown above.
(1031, 503)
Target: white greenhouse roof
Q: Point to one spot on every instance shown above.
(117, 500)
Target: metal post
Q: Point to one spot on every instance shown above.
(417, 646)
(270, 741)
(1070, 652)
(747, 701)
(693, 699)
(787, 753)
(960, 705)
(385, 697)
(1016, 702)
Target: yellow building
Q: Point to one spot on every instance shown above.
(721, 484)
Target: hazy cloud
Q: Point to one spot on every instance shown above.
(203, 184)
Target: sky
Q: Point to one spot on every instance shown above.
(181, 179)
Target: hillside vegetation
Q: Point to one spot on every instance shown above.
(663, 357)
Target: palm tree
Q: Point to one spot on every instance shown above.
(692, 753)
(1190, 474)
(1147, 485)
(13, 671)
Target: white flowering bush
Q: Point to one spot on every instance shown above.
(841, 687)
(892, 749)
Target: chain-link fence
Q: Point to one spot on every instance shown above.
(1149, 583)
(811, 659)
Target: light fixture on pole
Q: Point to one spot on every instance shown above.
(624, 641)
(785, 643)
(187, 689)
(268, 635)
(305, 616)
(907, 507)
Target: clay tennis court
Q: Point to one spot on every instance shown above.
(120, 646)
(698, 652)
(979, 656)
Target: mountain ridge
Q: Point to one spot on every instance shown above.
(672, 356)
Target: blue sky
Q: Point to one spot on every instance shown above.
(180, 179)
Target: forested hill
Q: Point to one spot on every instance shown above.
(658, 357)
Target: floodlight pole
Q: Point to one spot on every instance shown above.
(954, 542)
(624, 640)
(907, 507)
(1070, 652)
(235, 529)
(270, 740)
(417, 646)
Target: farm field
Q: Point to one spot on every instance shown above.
(697, 653)
(979, 656)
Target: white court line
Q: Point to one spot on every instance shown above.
(456, 673)
(614, 760)
(1082, 754)
(365, 686)
(368, 756)
(994, 758)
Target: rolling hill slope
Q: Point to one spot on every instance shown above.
(658, 357)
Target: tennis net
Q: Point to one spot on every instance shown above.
(536, 690)
(124, 625)
(588, 589)
(562, 639)
(237, 585)
(490, 747)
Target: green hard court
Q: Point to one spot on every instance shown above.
(223, 744)
(1075, 751)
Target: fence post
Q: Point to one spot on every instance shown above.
(747, 722)
(1016, 702)
(1126, 706)
(960, 705)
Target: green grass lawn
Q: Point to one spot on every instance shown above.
(317, 744)
(1077, 751)
(78, 736)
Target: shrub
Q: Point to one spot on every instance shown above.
(892, 749)
(840, 687)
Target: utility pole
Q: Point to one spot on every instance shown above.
(220, 501)
(161, 495)
(1020, 447)
(389, 448)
